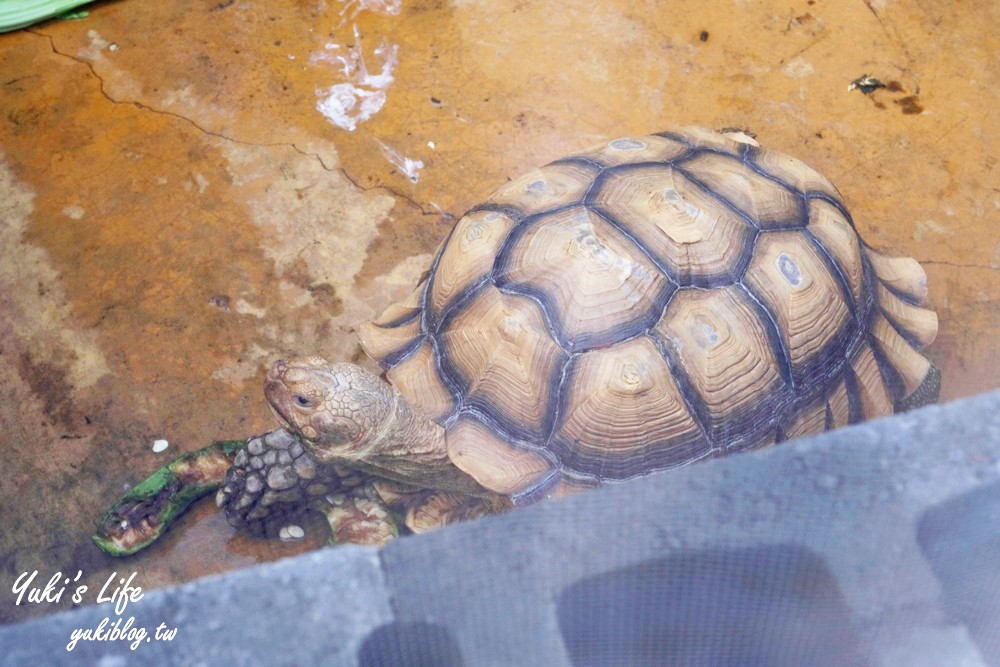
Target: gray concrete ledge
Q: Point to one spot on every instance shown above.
(314, 609)
(877, 544)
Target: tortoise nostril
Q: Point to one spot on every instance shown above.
(278, 369)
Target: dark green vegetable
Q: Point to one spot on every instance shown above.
(148, 509)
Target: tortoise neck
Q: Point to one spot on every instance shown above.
(411, 448)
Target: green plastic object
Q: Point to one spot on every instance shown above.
(17, 14)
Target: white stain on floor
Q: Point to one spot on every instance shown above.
(94, 49)
(73, 211)
(408, 166)
(362, 94)
(351, 8)
(798, 68)
(930, 227)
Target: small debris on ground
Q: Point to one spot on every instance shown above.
(160, 446)
(909, 104)
(866, 83)
(220, 301)
(291, 533)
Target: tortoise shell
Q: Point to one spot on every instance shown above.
(648, 303)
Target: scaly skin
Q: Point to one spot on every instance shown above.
(349, 417)
(275, 479)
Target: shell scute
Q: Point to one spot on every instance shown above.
(550, 187)
(420, 373)
(838, 406)
(811, 419)
(396, 332)
(385, 343)
(693, 236)
(873, 394)
(588, 274)
(623, 413)
(724, 350)
(839, 240)
(469, 255)
(768, 203)
(789, 278)
(501, 355)
(492, 460)
(730, 143)
(795, 173)
(628, 150)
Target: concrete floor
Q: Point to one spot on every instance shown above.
(183, 198)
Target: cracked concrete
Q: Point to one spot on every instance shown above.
(177, 213)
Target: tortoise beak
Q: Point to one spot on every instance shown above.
(274, 381)
(276, 392)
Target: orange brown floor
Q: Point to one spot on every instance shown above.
(183, 200)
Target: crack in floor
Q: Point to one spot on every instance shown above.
(895, 36)
(424, 211)
(958, 265)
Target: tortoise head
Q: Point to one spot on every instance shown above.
(337, 408)
(345, 415)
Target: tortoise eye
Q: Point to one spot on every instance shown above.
(301, 400)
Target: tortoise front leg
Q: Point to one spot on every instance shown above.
(275, 479)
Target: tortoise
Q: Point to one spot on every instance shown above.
(642, 305)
